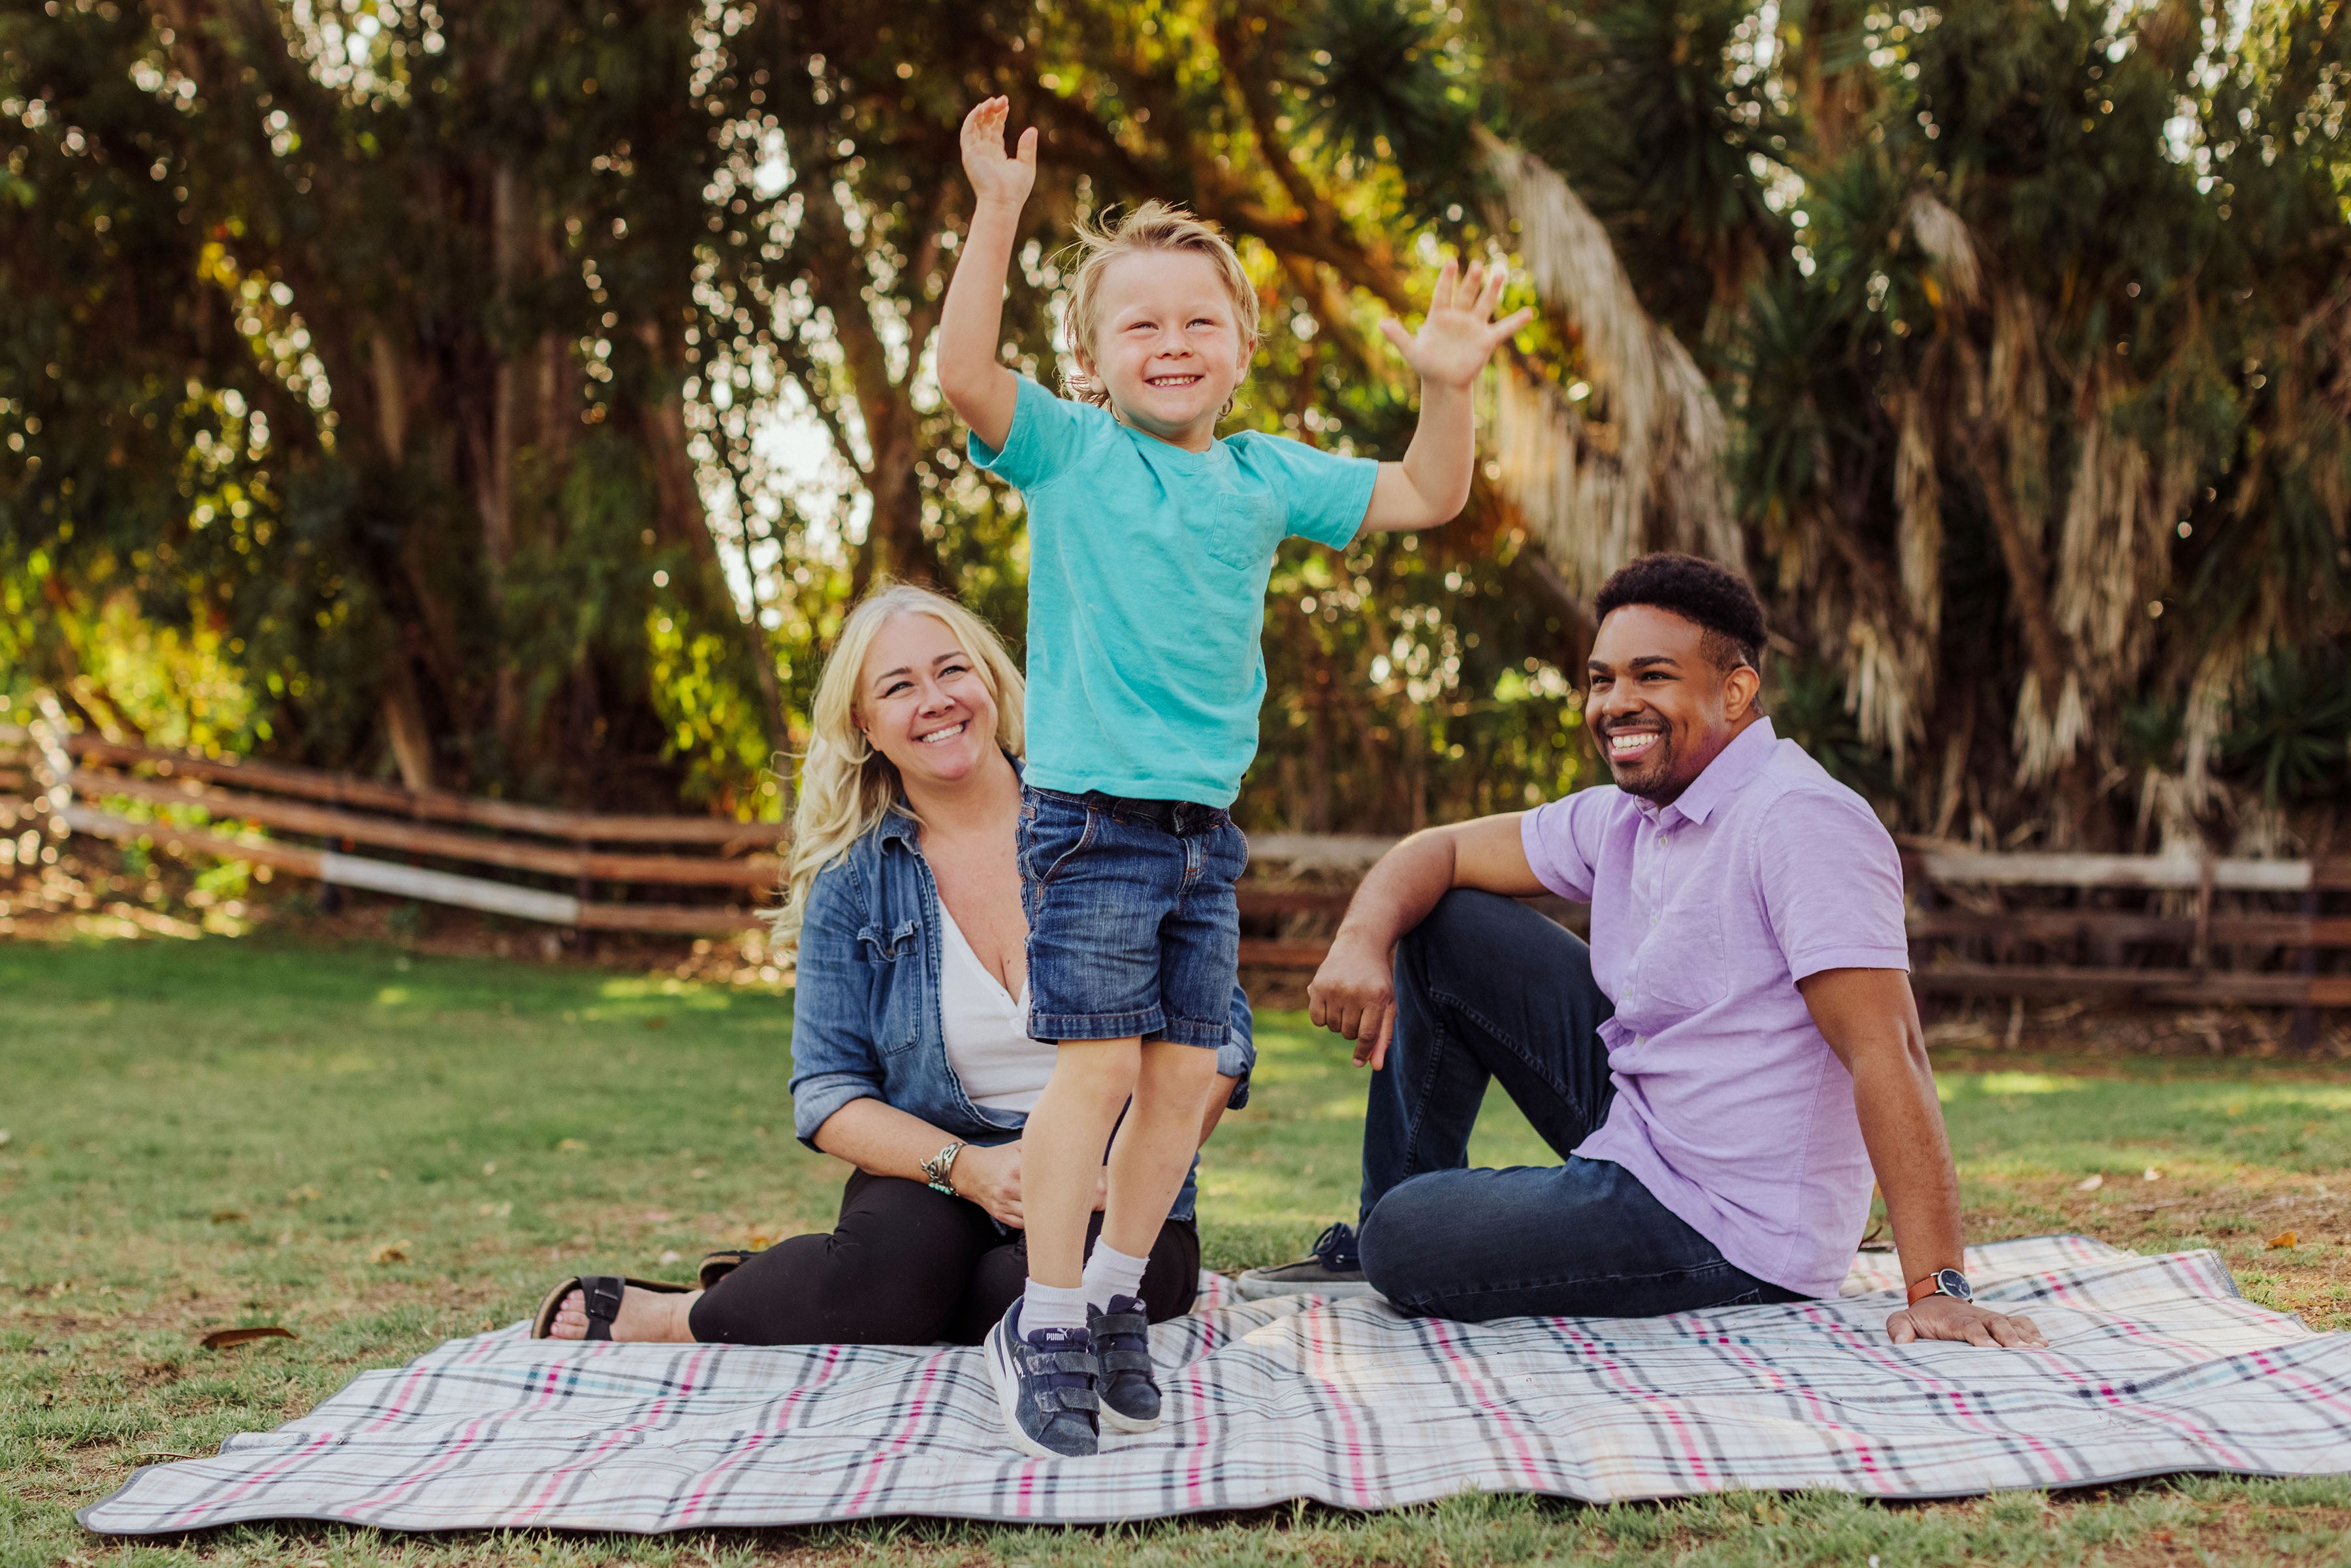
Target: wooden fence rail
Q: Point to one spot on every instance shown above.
(2250, 952)
(2170, 929)
(80, 783)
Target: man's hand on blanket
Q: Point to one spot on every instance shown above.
(1947, 1317)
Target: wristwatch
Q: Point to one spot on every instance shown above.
(1942, 1283)
(938, 1171)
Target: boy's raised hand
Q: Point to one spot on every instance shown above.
(1459, 333)
(997, 179)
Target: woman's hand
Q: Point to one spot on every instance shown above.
(991, 1179)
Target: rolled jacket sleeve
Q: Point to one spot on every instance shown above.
(834, 1057)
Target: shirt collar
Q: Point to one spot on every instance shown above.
(899, 824)
(1732, 766)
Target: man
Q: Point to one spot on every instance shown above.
(1721, 1070)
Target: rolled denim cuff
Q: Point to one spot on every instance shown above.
(1234, 1059)
(815, 1098)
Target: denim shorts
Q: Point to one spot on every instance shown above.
(1133, 926)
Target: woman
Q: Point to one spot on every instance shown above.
(911, 1057)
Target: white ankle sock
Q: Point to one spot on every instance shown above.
(1051, 1307)
(1110, 1272)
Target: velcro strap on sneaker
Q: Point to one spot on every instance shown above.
(1081, 1361)
(1125, 1361)
(1052, 1399)
(1106, 1324)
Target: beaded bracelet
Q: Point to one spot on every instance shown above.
(938, 1171)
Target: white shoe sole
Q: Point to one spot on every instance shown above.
(1007, 1379)
(1125, 1423)
(1254, 1290)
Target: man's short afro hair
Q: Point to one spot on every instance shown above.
(1711, 596)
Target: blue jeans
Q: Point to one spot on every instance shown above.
(1489, 989)
(1133, 928)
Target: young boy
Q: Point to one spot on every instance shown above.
(1150, 543)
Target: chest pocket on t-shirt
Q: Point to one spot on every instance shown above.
(1683, 966)
(1242, 529)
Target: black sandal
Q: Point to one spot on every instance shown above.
(716, 1265)
(600, 1296)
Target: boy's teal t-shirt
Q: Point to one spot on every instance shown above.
(1147, 567)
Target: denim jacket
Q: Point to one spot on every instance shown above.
(865, 1006)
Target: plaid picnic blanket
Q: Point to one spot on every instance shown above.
(2153, 1364)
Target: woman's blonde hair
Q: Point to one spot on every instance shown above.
(847, 787)
(1155, 226)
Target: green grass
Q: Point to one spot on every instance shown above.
(378, 1151)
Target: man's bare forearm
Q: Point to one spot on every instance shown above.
(1399, 892)
(1902, 1126)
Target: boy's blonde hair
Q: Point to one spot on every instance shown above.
(1155, 226)
(847, 787)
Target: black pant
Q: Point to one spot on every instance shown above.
(907, 1265)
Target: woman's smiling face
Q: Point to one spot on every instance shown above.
(922, 702)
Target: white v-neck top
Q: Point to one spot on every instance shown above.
(1001, 1068)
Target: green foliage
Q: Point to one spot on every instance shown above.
(2293, 730)
(371, 362)
(1806, 702)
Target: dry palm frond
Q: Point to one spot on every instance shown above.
(1944, 236)
(1884, 673)
(1918, 503)
(2016, 394)
(2113, 558)
(1600, 491)
(2046, 736)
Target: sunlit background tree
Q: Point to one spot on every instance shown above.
(509, 397)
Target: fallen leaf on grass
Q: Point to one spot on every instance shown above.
(2279, 1242)
(229, 1339)
(4, 1137)
(227, 1216)
(2090, 1184)
(2150, 1173)
(305, 1193)
(657, 1023)
(390, 1252)
(570, 1146)
(490, 1167)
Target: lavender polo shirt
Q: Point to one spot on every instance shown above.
(1730, 1108)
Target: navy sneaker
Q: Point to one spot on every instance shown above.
(1045, 1386)
(1129, 1393)
(1334, 1270)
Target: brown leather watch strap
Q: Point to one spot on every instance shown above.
(1922, 1289)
